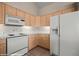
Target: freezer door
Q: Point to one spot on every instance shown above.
(54, 37)
(69, 34)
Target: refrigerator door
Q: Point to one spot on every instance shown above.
(54, 37)
(69, 34)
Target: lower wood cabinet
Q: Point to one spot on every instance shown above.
(42, 40)
(2, 48)
(32, 41)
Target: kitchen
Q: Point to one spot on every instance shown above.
(25, 27)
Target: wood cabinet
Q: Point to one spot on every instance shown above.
(45, 20)
(57, 13)
(33, 21)
(32, 41)
(1, 13)
(48, 20)
(37, 20)
(10, 10)
(42, 20)
(20, 13)
(63, 11)
(68, 10)
(27, 19)
(2, 48)
(44, 41)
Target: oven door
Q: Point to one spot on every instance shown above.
(15, 44)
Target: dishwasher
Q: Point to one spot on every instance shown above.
(17, 45)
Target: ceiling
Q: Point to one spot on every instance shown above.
(42, 4)
(35, 8)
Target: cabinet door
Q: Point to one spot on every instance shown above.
(43, 21)
(44, 41)
(32, 41)
(48, 20)
(68, 10)
(10, 10)
(37, 20)
(33, 21)
(2, 47)
(57, 13)
(27, 19)
(1, 13)
(20, 13)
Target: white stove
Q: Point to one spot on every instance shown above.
(17, 44)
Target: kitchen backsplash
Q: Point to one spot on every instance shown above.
(36, 30)
(4, 30)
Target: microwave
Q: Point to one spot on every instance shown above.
(13, 20)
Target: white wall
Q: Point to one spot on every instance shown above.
(36, 30)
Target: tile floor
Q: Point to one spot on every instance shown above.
(38, 51)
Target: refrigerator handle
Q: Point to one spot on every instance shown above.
(55, 30)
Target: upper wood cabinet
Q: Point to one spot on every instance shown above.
(10, 10)
(45, 20)
(27, 19)
(32, 20)
(37, 20)
(1, 13)
(71, 9)
(48, 20)
(20, 13)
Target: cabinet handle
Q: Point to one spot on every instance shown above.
(22, 20)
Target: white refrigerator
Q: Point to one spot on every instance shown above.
(65, 38)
